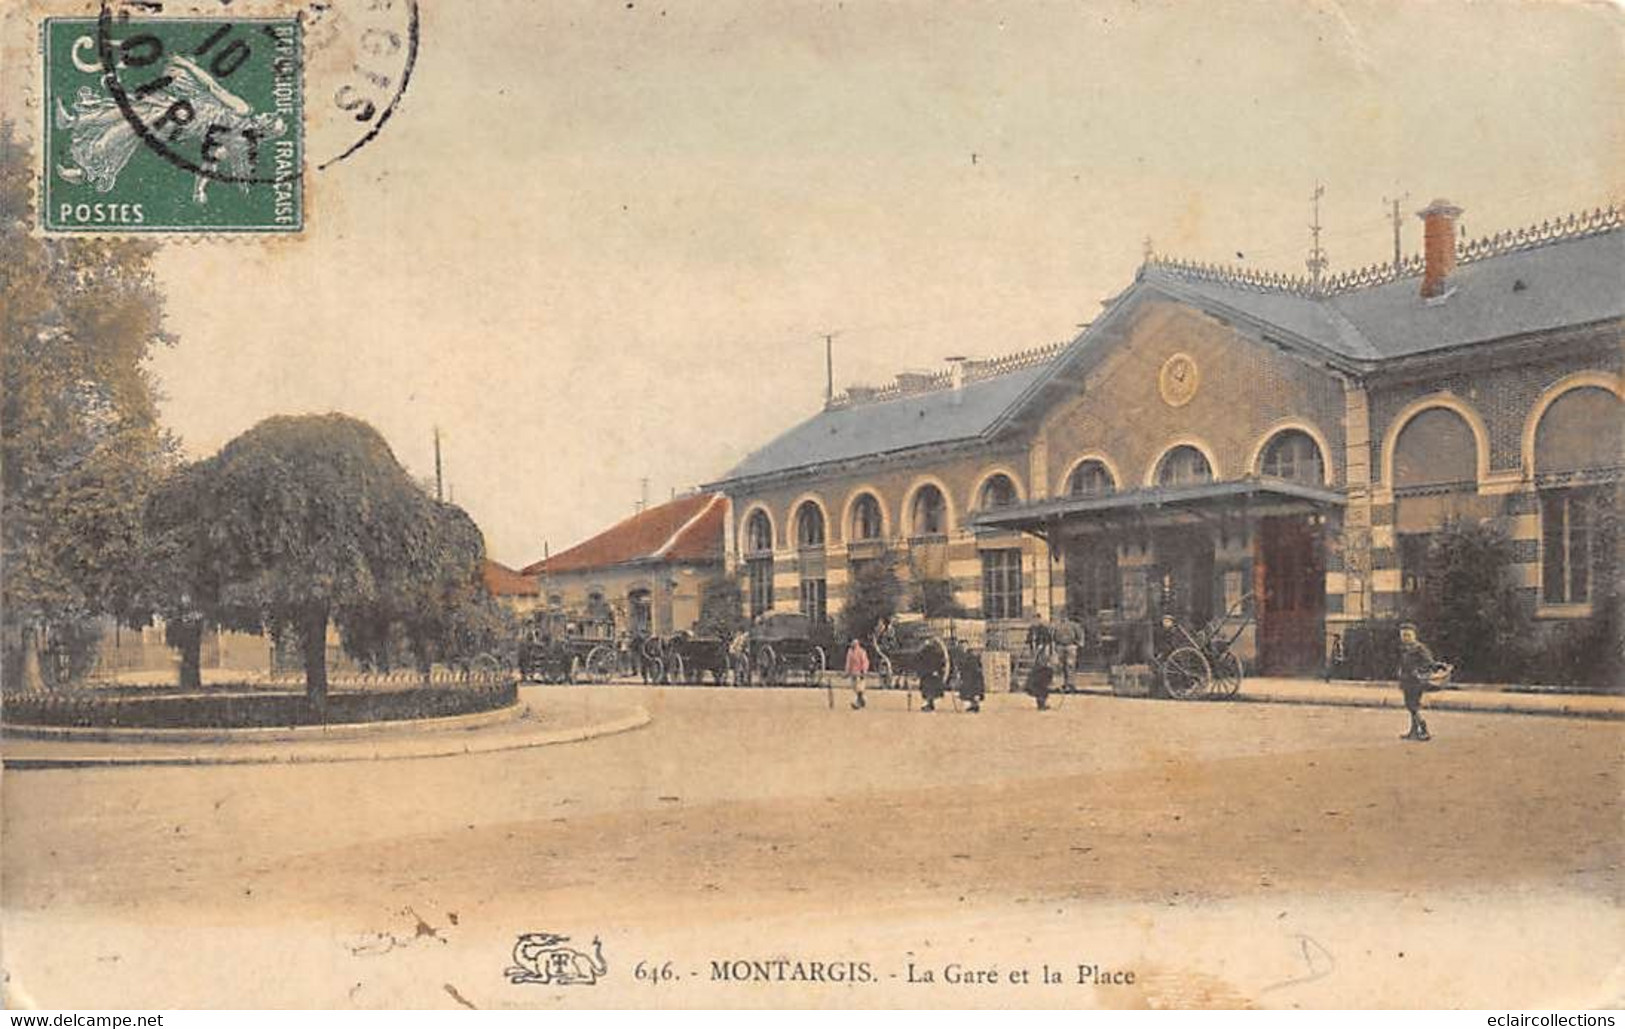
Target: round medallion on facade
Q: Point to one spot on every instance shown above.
(1177, 380)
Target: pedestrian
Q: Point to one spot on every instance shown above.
(1042, 676)
(739, 657)
(1069, 640)
(967, 675)
(1418, 672)
(857, 670)
(933, 676)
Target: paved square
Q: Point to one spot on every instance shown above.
(1229, 854)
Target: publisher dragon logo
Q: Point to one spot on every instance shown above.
(543, 958)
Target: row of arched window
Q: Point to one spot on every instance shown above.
(1441, 439)
(1440, 444)
(1435, 441)
(1290, 454)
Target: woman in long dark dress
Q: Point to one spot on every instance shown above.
(1042, 676)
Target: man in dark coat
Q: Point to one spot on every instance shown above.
(967, 675)
(931, 686)
(1042, 676)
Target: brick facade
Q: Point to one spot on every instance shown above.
(1108, 399)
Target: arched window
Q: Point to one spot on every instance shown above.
(809, 525)
(1183, 466)
(1294, 454)
(866, 521)
(1434, 448)
(928, 514)
(997, 491)
(758, 533)
(1090, 479)
(597, 606)
(1580, 430)
(640, 611)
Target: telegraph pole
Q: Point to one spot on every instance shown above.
(1393, 216)
(439, 482)
(1317, 257)
(829, 367)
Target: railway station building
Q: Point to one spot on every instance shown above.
(1217, 434)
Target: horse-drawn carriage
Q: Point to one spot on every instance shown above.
(1203, 663)
(783, 647)
(685, 658)
(558, 647)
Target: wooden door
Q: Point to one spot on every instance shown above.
(1291, 604)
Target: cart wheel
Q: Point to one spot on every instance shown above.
(1185, 674)
(1227, 674)
(654, 670)
(816, 665)
(676, 671)
(601, 664)
(765, 669)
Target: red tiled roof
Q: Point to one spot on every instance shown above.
(686, 529)
(503, 581)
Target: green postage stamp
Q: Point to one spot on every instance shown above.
(173, 125)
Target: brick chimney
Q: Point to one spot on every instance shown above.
(1438, 245)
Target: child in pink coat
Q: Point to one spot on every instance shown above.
(857, 669)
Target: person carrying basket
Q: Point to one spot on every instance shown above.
(1418, 673)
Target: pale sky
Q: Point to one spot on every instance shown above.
(598, 241)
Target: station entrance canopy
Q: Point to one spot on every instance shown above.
(1161, 506)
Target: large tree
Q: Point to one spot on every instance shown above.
(78, 422)
(179, 579)
(311, 518)
(442, 611)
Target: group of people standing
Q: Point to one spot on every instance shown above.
(1056, 646)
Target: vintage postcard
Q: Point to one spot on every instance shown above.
(522, 504)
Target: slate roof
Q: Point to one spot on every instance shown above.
(1514, 290)
(901, 423)
(686, 530)
(1573, 282)
(1564, 283)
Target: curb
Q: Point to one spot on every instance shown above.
(1436, 702)
(405, 749)
(1440, 704)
